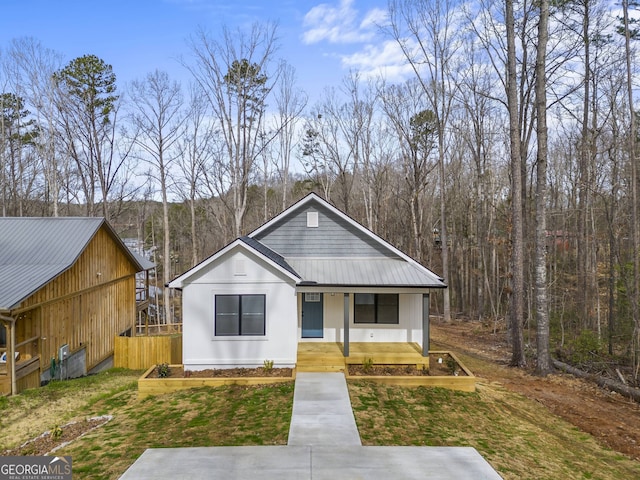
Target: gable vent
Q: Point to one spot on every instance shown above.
(239, 269)
(312, 219)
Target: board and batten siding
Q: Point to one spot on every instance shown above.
(239, 272)
(85, 306)
(333, 237)
(409, 328)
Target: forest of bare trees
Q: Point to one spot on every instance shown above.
(505, 160)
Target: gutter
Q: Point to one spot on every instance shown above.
(11, 342)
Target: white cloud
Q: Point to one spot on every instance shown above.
(384, 59)
(340, 23)
(374, 18)
(369, 53)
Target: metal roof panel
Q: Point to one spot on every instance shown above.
(378, 272)
(35, 250)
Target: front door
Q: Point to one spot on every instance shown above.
(312, 313)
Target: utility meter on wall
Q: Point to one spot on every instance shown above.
(63, 352)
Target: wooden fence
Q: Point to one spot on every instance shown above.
(140, 353)
(161, 329)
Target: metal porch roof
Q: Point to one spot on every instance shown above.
(379, 272)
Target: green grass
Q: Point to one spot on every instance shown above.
(229, 416)
(521, 439)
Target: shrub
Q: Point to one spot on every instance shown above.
(367, 365)
(163, 370)
(267, 365)
(56, 432)
(452, 365)
(584, 348)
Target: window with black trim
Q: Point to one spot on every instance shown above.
(376, 308)
(239, 315)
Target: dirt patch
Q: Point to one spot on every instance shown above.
(61, 436)
(609, 417)
(179, 372)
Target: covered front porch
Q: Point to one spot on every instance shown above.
(330, 356)
(364, 322)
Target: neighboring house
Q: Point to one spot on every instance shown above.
(311, 274)
(67, 288)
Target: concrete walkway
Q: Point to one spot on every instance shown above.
(322, 413)
(323, 444)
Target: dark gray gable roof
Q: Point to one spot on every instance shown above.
(270, 254)
(335, 235)
(34, 251)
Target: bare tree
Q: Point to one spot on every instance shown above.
(334, 138)
(414, 126)
(364, 100)
(291, 102)
(518, 358)
(635, 222)
(315, 158)
(235, 75)
(479, 125)
(158, 118)
(195, 150)
(32, 66)
(425, 32)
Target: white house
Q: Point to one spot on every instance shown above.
(311, 274)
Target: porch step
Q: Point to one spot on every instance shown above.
(319, 368)
(314, 362)
(328, 357)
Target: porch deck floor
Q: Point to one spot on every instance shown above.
(329, 356)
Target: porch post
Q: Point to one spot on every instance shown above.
(346, 325)
(425, 324)
(10, 327)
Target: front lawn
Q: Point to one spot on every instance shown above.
(520, 438)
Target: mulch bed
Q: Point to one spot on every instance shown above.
(435, 369)
(49, 442)
(178, 372)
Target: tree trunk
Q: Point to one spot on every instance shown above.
(446, 302)
(543, 366)
(517, 249)
(166, 250)
(635, 291)
(630, 392)
(194, 238)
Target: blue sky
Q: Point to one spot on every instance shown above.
(321, 39)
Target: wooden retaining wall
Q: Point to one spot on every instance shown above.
(463, 383)
(148, 385)
(140, 353)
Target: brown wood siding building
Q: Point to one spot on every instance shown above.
(84, 307)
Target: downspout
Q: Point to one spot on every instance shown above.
(11, 348)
